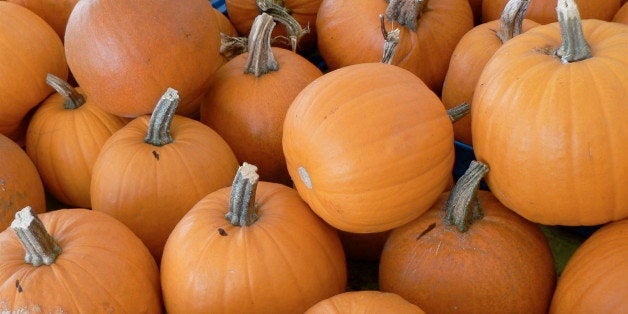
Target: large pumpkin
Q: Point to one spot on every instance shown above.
(54, 12)
(124, 54)
(550, 121)
(364, 302)
(75, 261)
(368, 146)
(544, 11)
(255, 247)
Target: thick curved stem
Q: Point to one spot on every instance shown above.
(41, 248)
(158, 133)
(458, 112)
(391, 41)
(574, 47)
(230, 47)
(511, 21)
(282, 15)
(261, 59)
(463, 207)
(72, 98)
(406, 12)
(242, 210)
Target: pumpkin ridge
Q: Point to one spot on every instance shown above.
(95, 279)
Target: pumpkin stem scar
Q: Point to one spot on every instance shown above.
(261, 59)
(158, 133)
(242, 210)
(282, 15)
(458, 112)
(511, 20)
(73, 99)
(574, 47)
(305, 177)
(41, 248)
(391, 41)
(463, 207)
(406, 12)
(230, 47)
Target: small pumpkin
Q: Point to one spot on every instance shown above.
(366, 301)
(268, 253)
(76, 261)
(54, 12)
(544, 11)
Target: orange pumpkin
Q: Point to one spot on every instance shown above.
(30, 50)
(544, 11)
(152, 171)
(76, 261)
(224, 24)
(476, 256)
(248, 98)
(537, 121)
(173, 43)
(622, 15)
(54, 12)
(595, 277)
(364, 302)
(254, 247)
(63, 140)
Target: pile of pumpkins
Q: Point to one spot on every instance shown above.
(205, 165)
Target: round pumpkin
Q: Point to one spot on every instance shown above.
(224, 24)
(622, 15)
(64, 138)
(594, 279)
(152, 171)
(30, 50)
(75, 261)
(368, 146)
(544, 11)
(553, 128)
(366, 301)
(54, 12)
(139, 48)
(255, 247)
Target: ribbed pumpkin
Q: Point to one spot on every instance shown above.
(30, 50)
(349, 33)
(255, 247)
(595, 277)
(368, 146)
(153, 170)
(54, 12)
(622, 15)
(249, 96)
(476, 256)
(471, 55)
(552, 127)
(20, 184)
(139, 48)
(356, 302)
(75, 261)
(63, 140)
(544, 11)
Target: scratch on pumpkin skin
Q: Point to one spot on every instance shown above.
(438, 248)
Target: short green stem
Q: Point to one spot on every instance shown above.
(391, 41)
(41, 248)
(73, 99)
(281, 14)
(511, 21)
(458, 112)
(242, 210)
(261, 59)
(158, 133)
(406, 12)
(463, 207)
(574, 46)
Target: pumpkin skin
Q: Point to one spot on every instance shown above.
(31, 49)
(544, 11)
(224, 24)
(349, 32)
(369, 147)
(54, 12)
(150, 188)
(524, 125)
(622, 15)
(20, 184)
(364, 302)
(594, 279)
(285, 262)
(169, 50)
(103, 268)
(501, 264)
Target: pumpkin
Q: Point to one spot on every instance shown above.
(224, 24)
(248, 98)
(349, 33)
(471, 54)
(152, 171)
(595, 277)
(368, 146)
(63, 140)
(76, 261)
(544, 11)
(173, 43)
(622, 15)
(30, 49)
(20, 184)
(537, 114)
(54, 12)
(476, 256)
(366, 301)
(254, 247)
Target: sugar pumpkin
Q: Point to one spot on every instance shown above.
(54, 12)
(544, 11)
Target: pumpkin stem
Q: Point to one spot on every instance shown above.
(230, 46)
(511, 21)
(574, 47)
(73, 99)
(458, 112)
(406, 12)
(261, 59)
(242, 210)
(391, 41)
(41, 248)
(281, 14)
(159, 125)
(463, 207)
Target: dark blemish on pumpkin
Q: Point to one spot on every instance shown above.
(428, 229)
(18, 286)
(156, 154)
(222, 232)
